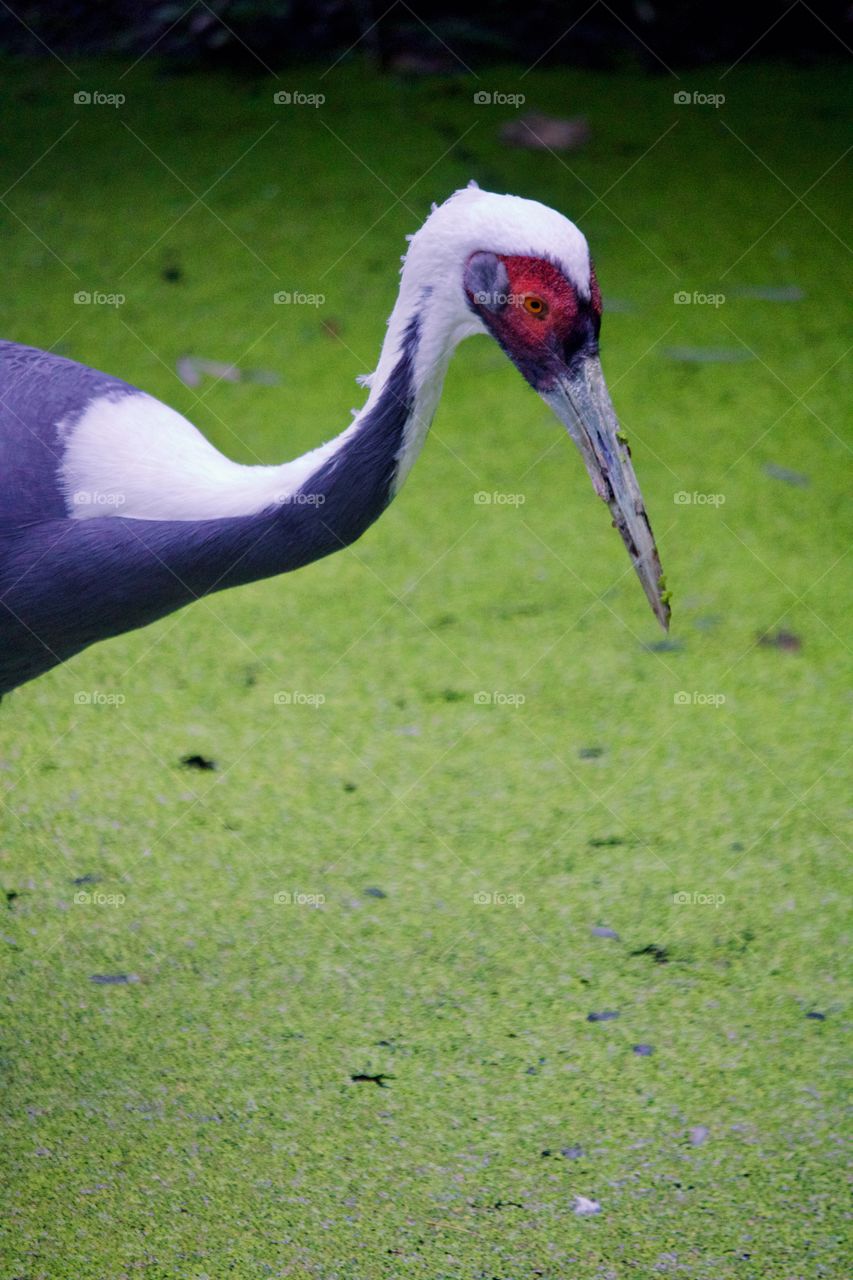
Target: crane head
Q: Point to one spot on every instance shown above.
(549, 327)
(528, 280)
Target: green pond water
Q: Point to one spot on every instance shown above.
(344, 1032)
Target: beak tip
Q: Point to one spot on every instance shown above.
(661, 600)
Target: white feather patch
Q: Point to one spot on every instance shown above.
(134, 456)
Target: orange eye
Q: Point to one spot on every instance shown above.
(535, 306)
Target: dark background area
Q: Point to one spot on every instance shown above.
(435, 37)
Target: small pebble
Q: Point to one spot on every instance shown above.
(643, 1050)
(584, 1206)
(601, 931)
(606, 1015)
(698, 1134)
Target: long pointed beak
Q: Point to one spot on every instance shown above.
(582, 403)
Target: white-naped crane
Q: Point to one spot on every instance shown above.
(115, 510)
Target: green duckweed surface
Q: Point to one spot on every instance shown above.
(323, 1010)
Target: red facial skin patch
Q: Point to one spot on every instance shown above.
(544, 317)
(538, 278)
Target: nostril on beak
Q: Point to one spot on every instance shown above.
(582, 340)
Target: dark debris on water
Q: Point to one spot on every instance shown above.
(364, 1077)
(198, 762)
(568, 1153)
(785, 640)
(659, 954)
